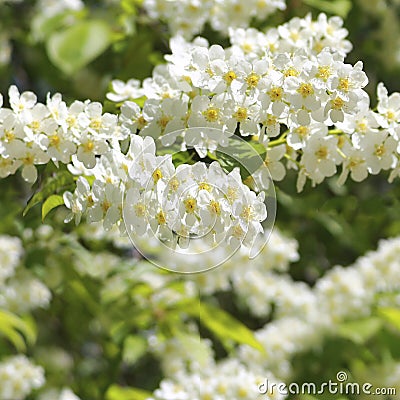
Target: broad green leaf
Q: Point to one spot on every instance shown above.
(135, 347)
(60, 182)
(226, 327)
(336, 7)
(51, 202)
(360, 331)
(75, 47)
(17, 330)
(390, 315)
(116, 392)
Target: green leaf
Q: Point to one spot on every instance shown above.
(16, 329)
(226, 328)
(54, 184)
(335, 7)
(116, 392)
(51, 202)
(247, 156)
(75, 47)
(360, 331)
(390, 315)
(135, 347)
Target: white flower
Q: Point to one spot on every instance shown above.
(320, 157)
(107, 204)
(89, 147)
(378, 149)
(21, 102)
(19, 377)
(272, 167)
(388, 108)
(124, 91)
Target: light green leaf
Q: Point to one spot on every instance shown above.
(116, 392)
(335, 7)
(390, 315)
(135, 347)
(226, 328)
(75, 47)
(51, 202)
(17, 330)
(61, 182)
(360, 331)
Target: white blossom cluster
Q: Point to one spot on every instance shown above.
(19, 290)
(33, 133)
(228, 379)
(19, 377)
(50, 8)
(24, 293)
(184, 353)
(10, 255)
(56, 394)
(188, 17)
(344, 293)
(289, 88)
(275, 257)
(156, 199)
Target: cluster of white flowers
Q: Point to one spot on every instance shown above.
(33, 133)
(289, 88)
(348, 293)
(56, 394)
(19, 292)
(342, 294)
(228, 379)
(50, 8)
(19, 377)
(24, 293)
(188, 17)
(276, 254)
(184, 353)
(156, 199)
(10, 255)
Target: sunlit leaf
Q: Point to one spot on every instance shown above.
(17, 330)
(135, 347)
(335, 7)
(116, 392)
(51, 202)
(360, 331)
(390, 315)
(75, 47)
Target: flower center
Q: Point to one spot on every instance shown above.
(211, 114)
(306, 89)
(190, 205)
(229, 77)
